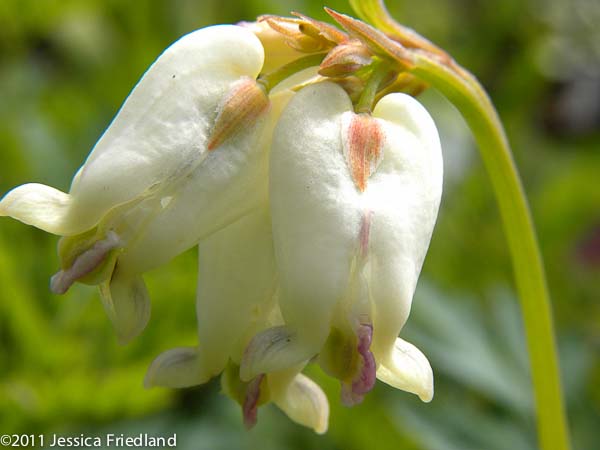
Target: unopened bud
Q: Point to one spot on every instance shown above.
(345, 59)
(319, 29)
(239, 109)
(300, 34)
(375, 40)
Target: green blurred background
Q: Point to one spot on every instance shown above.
(65, 68)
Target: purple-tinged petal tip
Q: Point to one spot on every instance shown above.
(250, 408)
(354, 393)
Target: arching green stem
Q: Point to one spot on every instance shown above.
(530, 277)
(465, 92)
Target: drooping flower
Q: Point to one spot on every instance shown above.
(237, 298)
(354, 199)
(186, 155)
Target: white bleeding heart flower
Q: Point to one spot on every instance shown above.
(236, 298)
(186, 155)
(354, 199)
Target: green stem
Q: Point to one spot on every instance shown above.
(270, 80)
(369, 93)
(467, 94)
(470, 99)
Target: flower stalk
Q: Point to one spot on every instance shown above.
(528, 268)
(367, 98)
(435, 67)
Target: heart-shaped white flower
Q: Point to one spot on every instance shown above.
(354, 199)
(186, 155)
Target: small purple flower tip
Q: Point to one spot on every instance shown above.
(250, 408)
(353, 394)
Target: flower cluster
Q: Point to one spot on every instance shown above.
(286, 150)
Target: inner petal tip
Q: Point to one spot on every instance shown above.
(353, 393)
(250, 407)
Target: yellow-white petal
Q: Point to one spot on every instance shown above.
(39, 205)
(408, 369)
(301, 399)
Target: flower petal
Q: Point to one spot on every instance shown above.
(274, 349)
(408, 369)
(230, 183)
(162, 128)
(251, 400)
(314, 220)
(235, 297)
(39, 205)
(403, 197)
(236, 286)
(301, 399)
(175, 368)
(127, 304)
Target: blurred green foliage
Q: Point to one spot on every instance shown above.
(65, 68)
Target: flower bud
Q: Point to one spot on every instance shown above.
(345, 59)
(300, 34)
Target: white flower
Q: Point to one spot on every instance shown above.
(236, 298)
(354, 199)
(186, 155)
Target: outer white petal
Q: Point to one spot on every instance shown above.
(236, 285)
(161, 130)
(232, 181)
(403, 196)
(315, 223)
(408, 369)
